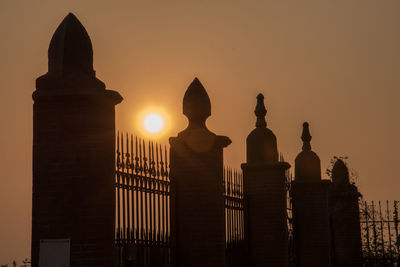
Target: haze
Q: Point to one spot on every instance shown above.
(335, 64)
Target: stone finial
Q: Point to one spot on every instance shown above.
(306, 137)
(340, 173)
(307, 162)
(70, 48)
(196, 103)
(197, 108)
(261, 142)
(260, 112)
(71, 63)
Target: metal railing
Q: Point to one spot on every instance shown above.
(143, 234)
(380, 229)
(235, 247)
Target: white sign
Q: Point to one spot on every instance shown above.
(54, 253)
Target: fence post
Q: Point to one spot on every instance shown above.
(196, 173)
(344, 217)
(265, 192)
(73, 155)
(310, 208)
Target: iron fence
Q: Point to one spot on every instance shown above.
(143, 234)
(380, 233)
(143, 231)
(235, 247)
(142, 184)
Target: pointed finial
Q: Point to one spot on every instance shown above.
(306, 137)
(196, 103)
(70, 49)
(260, 111)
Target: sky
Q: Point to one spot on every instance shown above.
(335, 64)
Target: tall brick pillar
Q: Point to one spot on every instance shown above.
(310, 208)
(197, 201)
(345, 218)
(73, 204)
(265, 192)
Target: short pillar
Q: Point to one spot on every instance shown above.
(265, 192)
(196, 171)
(310, 208)
(345, 218)
(73, 204)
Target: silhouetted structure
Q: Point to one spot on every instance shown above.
(94, 200)
(143, 232)
(265, 193)
(197, 200)
(345, 218)
(310, 208)
(73, 155)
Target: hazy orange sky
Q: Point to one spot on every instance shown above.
(335, 64)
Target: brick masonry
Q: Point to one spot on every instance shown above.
(73, 176)
(197, 203)
(311, 223)
(266, 227)
(345, 224)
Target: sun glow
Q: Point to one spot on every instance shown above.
(153, 123)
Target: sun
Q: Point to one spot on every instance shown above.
(153, 123)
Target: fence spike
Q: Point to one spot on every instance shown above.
(166, 161)
(157, 162)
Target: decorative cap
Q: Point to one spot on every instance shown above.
(260, 112)
(261, 142)
(70, 48)
(197, 108)
(340, 173)
(306, 137)
(307, 162)
(196, 103)
(71, 65)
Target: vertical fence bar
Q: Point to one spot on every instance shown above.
(366, 216)
(228, 185)
(396, 227)
(127, 188)
(146, 199)
(134, 193)
(168, 213)
(158, 197)
(236, 207)
(164, 239)
(382, 238)
(137, 183)
(123, 188)
(232, 217)
(389, 232)
(375, 237)
(142, 196)
(118, 191)
(149, 196)
(153, 175)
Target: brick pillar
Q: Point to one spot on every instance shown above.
(345, 218)
(265, 192)
(197, 201)
(73, 154)
(310, 208)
